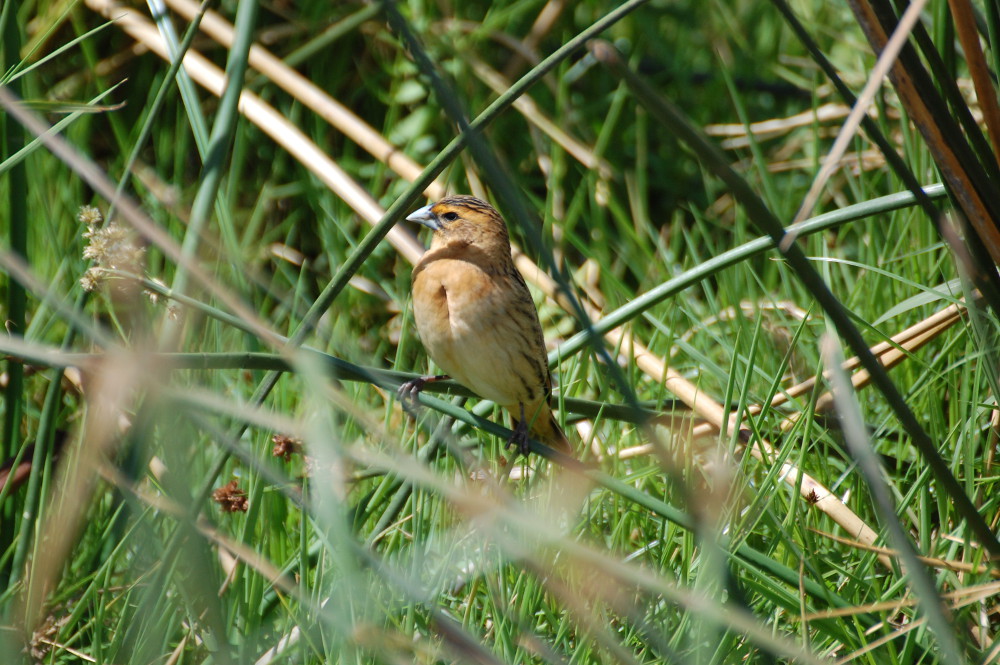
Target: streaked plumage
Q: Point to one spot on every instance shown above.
(476, 317)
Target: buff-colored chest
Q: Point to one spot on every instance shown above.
(481, 328)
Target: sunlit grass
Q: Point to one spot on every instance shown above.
(378, 534)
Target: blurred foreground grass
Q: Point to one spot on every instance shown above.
(143, 345)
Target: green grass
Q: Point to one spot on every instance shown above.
(284, 309)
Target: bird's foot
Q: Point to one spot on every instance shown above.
(521, 436)
(408, 391)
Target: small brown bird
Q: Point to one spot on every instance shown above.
(477, 320)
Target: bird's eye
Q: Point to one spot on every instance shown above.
(450, 216)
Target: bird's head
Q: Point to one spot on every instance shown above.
(464, 220)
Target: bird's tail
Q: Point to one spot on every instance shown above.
(546, 429)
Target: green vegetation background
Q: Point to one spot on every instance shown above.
(389, 539)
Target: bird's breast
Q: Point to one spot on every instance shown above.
(451, 301)
(480, 328)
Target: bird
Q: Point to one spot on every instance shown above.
(477, 320)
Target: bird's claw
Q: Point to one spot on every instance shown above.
(408, 391)
(523, 442)
(520, 436)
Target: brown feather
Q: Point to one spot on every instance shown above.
(476, 317)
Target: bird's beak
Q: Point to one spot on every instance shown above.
(426, 217)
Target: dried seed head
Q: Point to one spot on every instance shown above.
(90, 216)
(111, 247)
